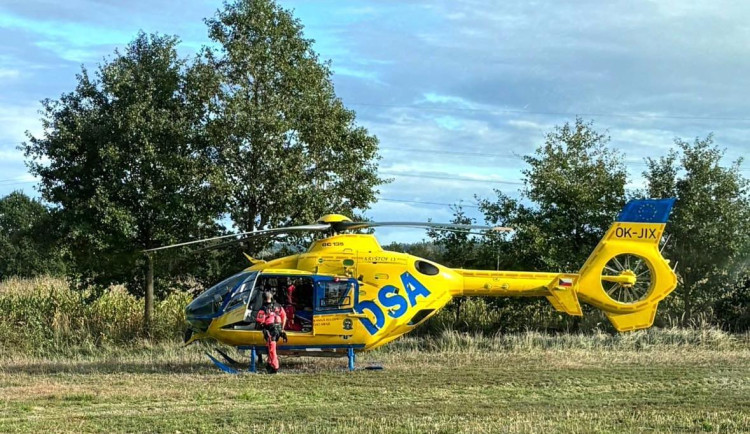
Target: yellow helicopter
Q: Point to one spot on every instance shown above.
(349, 295)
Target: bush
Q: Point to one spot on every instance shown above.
(488, 316)
(44, 315)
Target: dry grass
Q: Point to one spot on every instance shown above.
(24, 286)
(520, 383)
(44, 315)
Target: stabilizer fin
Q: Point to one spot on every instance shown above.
(253, 260)
(553, 301)
(637, 320)
(563, 296)
(628, 254)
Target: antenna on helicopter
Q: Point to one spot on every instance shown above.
(664, 243)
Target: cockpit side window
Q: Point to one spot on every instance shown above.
(242, 293)
(210, 301)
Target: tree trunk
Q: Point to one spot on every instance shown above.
(688, 315)
(149, 296)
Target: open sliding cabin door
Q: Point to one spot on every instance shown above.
(335, 299)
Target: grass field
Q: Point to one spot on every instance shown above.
(670, 381)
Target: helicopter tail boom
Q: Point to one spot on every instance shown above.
(625, 276)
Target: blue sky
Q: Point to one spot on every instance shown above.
(453, 89)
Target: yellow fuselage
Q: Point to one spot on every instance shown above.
(397, 291)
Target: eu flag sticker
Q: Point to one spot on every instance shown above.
(646, 211)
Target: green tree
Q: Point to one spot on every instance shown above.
(423, 249)
(28, 238)
(126, 160)
(289, 147)
(573, 190)
(710, 225)
(574, 187)
(459, 248)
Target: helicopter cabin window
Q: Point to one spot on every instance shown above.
(335, 294)
(426, 268)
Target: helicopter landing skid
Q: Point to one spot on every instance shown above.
(232, 366)
(226, 357)
(222, 366)
(302, 351)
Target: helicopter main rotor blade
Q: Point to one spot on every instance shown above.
(245, 235)
(458, 231)
(237, 241)
(339, 226)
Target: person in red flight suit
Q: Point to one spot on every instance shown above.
(272, 319)
(292, 324)
(290, 293)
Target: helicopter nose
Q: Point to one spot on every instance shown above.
(197, 325)
(199, 314)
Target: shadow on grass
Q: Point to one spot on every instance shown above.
(109, 367)
(296, 365)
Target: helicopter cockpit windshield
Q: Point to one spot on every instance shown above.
(212, 301)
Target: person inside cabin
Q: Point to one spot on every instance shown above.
(290, 293)
(272, 320)
(268, 286)
(293, 324)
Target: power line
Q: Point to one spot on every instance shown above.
(477, 154)
(438, 151)
(428, 203)
(551, 113)
(451, 178)
(17, 183)
(484, 154)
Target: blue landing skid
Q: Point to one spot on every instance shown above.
(255, 358)
(351, 356)
(226, 357)
(255, 352)
(223, 367)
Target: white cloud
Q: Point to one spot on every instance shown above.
(432, 97)
(6, 73)
(11, 156)
(15, 120)
(529, 125)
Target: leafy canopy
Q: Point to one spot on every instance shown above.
(710, 224)
(28, 238)
(125, 159)
(288, 146)
(573, 190)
